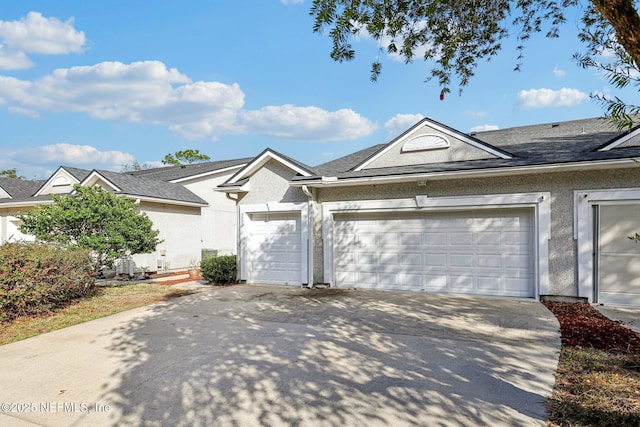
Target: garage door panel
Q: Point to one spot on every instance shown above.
(461, 260)
(490, 260)
(408, 280)
(516, 238)
(489, 284)
(435, 238)
(410, 239)
(619, 257)
(274, 246)
(486, 252)
(487, 238)
(460, 283)
(411, 259)
(388, 238)
(464, 239)
(517, 261)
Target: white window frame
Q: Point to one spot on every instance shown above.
(540, 202)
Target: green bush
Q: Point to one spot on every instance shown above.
(37, 278)
(219, 269)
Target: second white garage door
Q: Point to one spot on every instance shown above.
(484, 252)
(274, 248)
(618, 257)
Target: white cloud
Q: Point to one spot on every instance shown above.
(42, 161)
(291, 1)
(36, 34)
(401, 122)
(539, 98)
(484, 128)
(149, 92)
(71, 154)
(13, 59)
(306, 123)
(558, 72)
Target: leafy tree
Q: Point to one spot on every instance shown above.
(10, 173)
(134, 166)
(95, 219)
(457, 34)
(185, 156)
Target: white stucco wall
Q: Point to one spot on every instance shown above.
(180, 229)
(9, 227)
(220, 218)
(271, 184)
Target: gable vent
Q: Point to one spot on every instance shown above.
(425, 142)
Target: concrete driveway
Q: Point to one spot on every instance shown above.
(270, 355)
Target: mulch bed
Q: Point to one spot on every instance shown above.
(581, 325)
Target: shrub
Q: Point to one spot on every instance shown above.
(37, 278)
(219, 269)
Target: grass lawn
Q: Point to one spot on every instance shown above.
(102, 302)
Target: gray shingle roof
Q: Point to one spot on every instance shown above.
(172, 173)
(348, 162)
(145, 187)
(20, 189)
(544, 144)
(152, 183)
(79, 174)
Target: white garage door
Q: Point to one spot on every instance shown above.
(618, 257)
(274, 248)
(488, 252)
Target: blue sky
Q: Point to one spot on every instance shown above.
(99, 84)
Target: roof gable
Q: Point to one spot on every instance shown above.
(631, 139)
(4, 194)
(61, 182)
(95, 178)
(262, 159)
(429, 142)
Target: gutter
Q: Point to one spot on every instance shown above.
(333, 181)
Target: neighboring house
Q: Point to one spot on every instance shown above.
(521, 213)
(191, 217)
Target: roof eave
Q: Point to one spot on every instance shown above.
(163, 201)
(25, 203)
(205, 174)
(325, 182)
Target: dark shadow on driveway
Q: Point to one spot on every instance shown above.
(260, 355)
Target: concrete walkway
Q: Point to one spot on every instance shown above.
(629, 317)
(280, 356)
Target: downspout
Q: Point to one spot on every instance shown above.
(238, 234)
(310, 217)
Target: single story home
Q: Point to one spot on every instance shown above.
(521, 213)
(191, 217)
